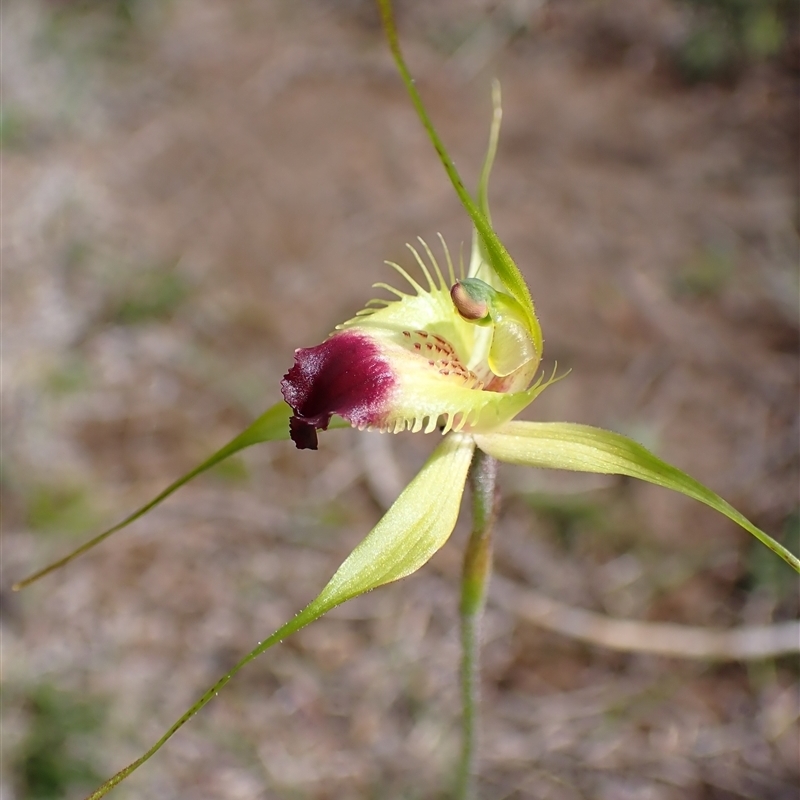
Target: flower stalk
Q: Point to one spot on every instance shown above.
(475, 577)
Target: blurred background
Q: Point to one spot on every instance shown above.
(193, 189)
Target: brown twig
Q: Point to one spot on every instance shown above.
(748, 643)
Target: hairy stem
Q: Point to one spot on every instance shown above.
(474, 583)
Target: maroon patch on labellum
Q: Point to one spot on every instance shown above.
(345, 375)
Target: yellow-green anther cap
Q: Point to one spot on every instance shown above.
(470, 301)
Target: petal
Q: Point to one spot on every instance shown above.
(564, 445)
(419, 522)
(412, 530)
(270, 426)
(479, 266)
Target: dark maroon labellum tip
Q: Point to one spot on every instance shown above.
(303, 434)
(344, 375)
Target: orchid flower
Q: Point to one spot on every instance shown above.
(455, 356)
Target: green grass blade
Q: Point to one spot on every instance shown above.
(582, 448)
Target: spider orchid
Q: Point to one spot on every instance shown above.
(457, 356)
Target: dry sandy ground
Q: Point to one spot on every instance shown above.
(189, 196)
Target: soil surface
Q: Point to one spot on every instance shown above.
(191, 190)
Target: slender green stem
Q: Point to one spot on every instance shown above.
(474, 583)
